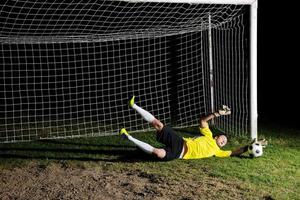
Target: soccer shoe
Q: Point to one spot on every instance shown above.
(131, 101)
(123, 133)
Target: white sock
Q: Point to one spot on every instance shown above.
(145, 114)
(142, 145)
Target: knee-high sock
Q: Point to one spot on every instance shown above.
(142, 145)
(145, 114)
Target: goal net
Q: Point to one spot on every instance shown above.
(68, 68)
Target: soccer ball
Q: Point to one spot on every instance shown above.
(255, 150)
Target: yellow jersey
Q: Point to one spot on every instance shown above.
(203, 146)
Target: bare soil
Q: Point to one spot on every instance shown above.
(57, 181)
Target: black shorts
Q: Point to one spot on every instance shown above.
(173, 142)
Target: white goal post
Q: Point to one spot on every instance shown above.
(68, 68)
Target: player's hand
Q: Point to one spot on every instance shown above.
(224, 111)
(263, 142)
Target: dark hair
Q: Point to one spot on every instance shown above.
(219, 134)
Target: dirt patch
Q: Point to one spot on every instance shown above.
(57, 181)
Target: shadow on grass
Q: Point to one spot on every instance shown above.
(107, 153)
(88, 150)
(244, 157)
(129, 158)
(78, 144)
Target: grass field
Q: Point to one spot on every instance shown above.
(112, 168)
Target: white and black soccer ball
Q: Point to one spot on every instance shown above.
(255, 150)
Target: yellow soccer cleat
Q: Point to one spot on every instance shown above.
(123, 132)
(131, 102)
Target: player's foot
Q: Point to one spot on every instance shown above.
(123, 133)
(131, 101)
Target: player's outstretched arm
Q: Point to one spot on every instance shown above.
(225, 110)
(239, 151)
(203, 121)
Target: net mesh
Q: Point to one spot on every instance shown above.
(68, 68)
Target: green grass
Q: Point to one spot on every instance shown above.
(276, 175)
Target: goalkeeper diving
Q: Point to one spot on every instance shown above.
(203, 146)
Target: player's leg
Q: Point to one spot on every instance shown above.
(160, 153)
(142, 145)
(158, 125)
(146, 115)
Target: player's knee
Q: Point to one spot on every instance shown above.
(157, 125)
(160, 153)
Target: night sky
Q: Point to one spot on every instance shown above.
(278, 76)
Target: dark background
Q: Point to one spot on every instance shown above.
(278, 52)
(278, 55)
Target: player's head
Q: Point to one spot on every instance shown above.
(221, 140)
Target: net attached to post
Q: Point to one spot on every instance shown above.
(68, 68)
